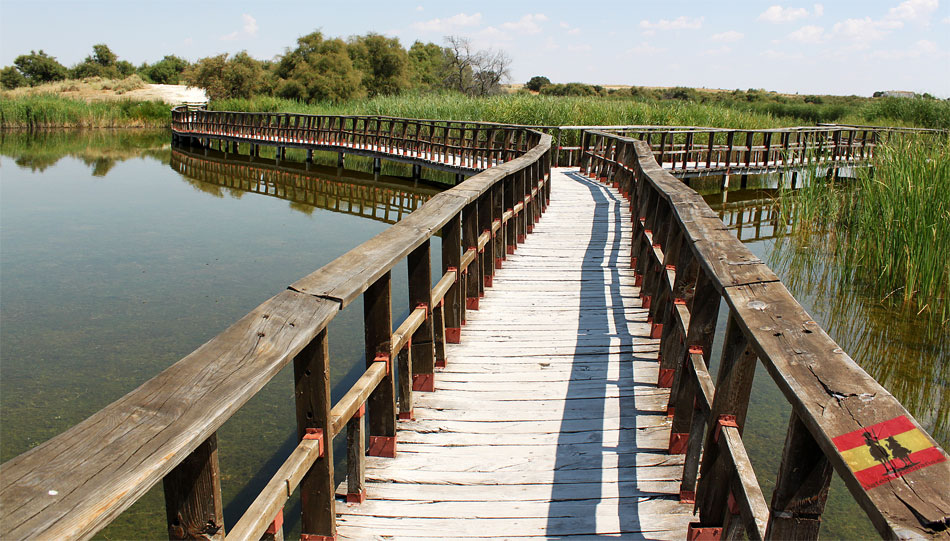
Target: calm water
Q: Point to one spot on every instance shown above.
(120, 256)
(114, 266)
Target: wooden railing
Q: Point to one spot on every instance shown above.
(73, 485)
(468, 146)
(842, 420)
(290, 181)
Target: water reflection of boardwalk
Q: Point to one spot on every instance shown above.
(547, 419)
(382, 201)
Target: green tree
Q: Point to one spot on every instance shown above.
(238, 77)
(428, 65)
(167, 71)
(318, 69)
(38, 68)
(383, 62)
(11, 78)
(536, 82)
(101, 63)
(102, 55)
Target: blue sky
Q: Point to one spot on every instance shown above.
(838, 47)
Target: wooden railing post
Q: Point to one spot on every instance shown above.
(419, 265)
(801, 488)
(733, 386)
(312, 393)
(378, 330)
(193, 505)
(472, 272)
(451, 260)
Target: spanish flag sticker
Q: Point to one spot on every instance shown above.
(881, 453)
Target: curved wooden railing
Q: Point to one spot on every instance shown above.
(376, 200)
(76, 483)
(842, 420)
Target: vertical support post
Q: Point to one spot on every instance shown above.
(733, 385)
(356, 457)
(193, 505)
(451, 259)
(378, 330)
(312, 394)
(419, 265)
(472, 273)
(801, 489)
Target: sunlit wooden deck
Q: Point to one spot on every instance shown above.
(547, 420)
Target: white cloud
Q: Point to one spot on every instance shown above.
(914, 10)
(574, 31)
(250, 25)
(866, 29)
(527, 24)
(579, 48)
(819, 10)
(808, 34)
(188, 41)
(679, 23)
(946, 20)
(728, 36)
(778, 14)
(420, 8)
(449, 24)
(564, 25)
(248, 29)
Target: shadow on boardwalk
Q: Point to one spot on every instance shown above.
(602, 314)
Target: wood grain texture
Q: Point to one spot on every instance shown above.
(547, 419)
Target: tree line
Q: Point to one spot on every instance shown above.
(318, 68)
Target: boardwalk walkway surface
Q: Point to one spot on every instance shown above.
(547, 420)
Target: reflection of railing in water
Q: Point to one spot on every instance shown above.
(760, 217)
(380, 201)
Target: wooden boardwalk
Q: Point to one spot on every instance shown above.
(547, 420)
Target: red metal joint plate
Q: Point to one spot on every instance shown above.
(277, 523)
(384, 358)
(697, 532)
(724, 420)
(315, 434)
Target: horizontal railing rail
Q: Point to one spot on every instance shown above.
(842, 420)
(73, 485)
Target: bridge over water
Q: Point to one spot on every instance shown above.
(555, 381)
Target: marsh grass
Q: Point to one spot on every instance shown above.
(42, 111)
(889, 227)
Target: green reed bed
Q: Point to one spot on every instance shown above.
(51, 111)
(521, 109)
(890, 227)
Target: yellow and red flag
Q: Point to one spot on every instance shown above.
(883, 452)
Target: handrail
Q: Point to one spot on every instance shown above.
(74, 484)
(686, 262)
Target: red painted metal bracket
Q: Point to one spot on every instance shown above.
(471, 303)
(678, 443)
(423, 382)
(453, 335)
(696, 532)
(384, 357)
(384, 446)
(724, 420)
(656, 330)
(316, 434)
(277, 523)
(687, 496)
(356, 497)
(665, 379)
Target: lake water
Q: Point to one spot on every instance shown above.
(121, 255)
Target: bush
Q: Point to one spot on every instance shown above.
(238, 77)
(38, 68)
(11, 78)
(166, 71)
(536, 82)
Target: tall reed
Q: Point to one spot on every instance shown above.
(890, 227)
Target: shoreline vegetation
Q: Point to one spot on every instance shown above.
(888, 229)
(52, 110)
